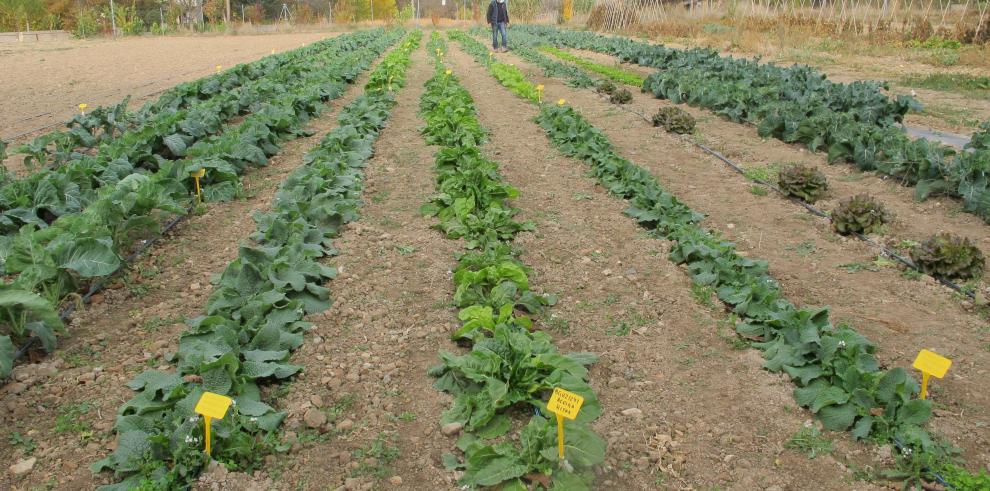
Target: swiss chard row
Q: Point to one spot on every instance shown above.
(509, 367)
(47, 264)
(838, 376)
(70, 179)
(852, 123)
(254, 318)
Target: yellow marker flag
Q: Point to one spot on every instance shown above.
(930, 364)
(196, 175)
(565, 405)
(212, 406)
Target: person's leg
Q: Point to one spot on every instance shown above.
(495, 36)
(505, 41)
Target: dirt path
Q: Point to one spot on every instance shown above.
(900, 315)
(42, 83)
(66, 406)
(753, 149)
(913, 220)
(367, 370)
(677, 395)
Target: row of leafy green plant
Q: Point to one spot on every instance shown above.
(944, 256)
(175, 128)
(44, 265)
(838, 376)
(851, 122)
(612, 73)
(255, 317)
(511, 368)
(102, 124)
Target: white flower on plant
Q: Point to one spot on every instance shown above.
(842, 344)
(254, 419)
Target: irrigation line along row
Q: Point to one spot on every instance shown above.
(886, 251)
(100, 284)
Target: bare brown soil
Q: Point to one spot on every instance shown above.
(43, 83)
(899, 314)
(131, 327)
(913, 220)
(709, 415)
(687, 405)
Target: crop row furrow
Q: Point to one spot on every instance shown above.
(69, 180)
(255, 317)
(510, 366)
(851, 122)
(48, 264)
(834, 367)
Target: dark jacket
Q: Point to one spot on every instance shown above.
(497, 13)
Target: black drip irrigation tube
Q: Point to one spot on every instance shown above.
(815, 211)
(100, 284)
(886, 251)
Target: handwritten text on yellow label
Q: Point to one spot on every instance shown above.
(564, 403)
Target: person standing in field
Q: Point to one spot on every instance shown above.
(498, 17)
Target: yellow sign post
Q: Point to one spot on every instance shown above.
(539, 93)
(196, 175)
(82, 108)
(212, 406)
(219, 68)
(930, 364)
(565, 405)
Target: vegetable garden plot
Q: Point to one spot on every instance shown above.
(255, 317)
(508, 364)
(678, 120)
(823, 360)
(49, 263)
(853, 122)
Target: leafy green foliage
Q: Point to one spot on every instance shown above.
(838, 376)
(981, 138)
(949, 256)
(72, 225)
(508, 366)
(674, 120)
(860, 214)
(851, 122)
(803, 182)
(613, 73)
(254, 318)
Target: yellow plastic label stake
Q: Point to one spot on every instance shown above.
(930, 364)
(539, 93)
(561, 102)
(211, 406)
(219, 67)
(196, 175)
(82, 108)
(565, 405)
